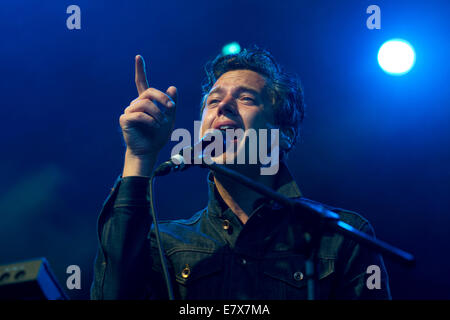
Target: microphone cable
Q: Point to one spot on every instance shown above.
(176, 163)
(162, 256)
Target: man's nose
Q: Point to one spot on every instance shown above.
(227, 105)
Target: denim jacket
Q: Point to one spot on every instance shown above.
(212, 255)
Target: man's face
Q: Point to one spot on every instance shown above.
(240, 100)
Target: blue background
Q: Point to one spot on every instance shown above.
(372, 143)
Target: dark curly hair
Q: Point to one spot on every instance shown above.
(285, 89)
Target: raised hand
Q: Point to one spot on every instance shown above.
(146, 123)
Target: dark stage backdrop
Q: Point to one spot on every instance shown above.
(372, 143)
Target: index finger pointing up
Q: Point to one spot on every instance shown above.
(140, 76)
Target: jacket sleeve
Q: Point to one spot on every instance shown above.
(364, 273)
(123, 265)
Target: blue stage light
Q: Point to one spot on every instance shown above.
(396, 57)
(231, 48)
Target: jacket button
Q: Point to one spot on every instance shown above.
(226, 224)
(298, 276)
(186, 272)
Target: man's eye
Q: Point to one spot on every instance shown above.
(249, 99)
(214, 101)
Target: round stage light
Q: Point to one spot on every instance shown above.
(396, 57)
(231, 48)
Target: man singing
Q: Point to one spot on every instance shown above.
(241, 246)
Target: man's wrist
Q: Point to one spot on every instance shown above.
(139, 166)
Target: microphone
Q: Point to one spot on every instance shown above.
(179, 163)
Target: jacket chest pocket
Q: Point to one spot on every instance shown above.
(198, 274)
(285, 277)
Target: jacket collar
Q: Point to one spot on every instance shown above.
(285, 184)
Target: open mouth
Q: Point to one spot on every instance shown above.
(227, 128)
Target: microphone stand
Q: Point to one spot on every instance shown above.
(318, 219)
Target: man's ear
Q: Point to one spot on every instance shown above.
(286, 138)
